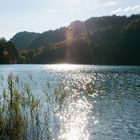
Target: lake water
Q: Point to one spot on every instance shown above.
(102, 102)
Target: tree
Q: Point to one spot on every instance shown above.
(8, 52)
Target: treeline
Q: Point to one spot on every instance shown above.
(8, 53)
(98, 40)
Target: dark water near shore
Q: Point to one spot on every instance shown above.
(110, 112)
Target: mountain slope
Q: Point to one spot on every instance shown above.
(23, 40)
(98, 40)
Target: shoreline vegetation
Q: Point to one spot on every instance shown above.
(107, 40)
(18, 110)
(25, 115)
(21, 111)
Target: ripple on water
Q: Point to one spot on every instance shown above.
(110, 112)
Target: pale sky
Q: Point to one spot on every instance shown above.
(43, 15)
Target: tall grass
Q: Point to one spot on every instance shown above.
(24, 116)
(21, 115)
(18, 111)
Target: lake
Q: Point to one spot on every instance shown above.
(100, 103)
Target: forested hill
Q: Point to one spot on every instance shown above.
(24, 39)
(98, 40)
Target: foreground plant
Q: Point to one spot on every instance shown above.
(18, 111)
(26, 116)
(23, 115)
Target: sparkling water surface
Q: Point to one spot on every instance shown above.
(108, 111)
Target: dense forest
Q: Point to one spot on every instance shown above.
(8, 53)
(99, 40)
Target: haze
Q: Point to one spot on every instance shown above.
(43, 15)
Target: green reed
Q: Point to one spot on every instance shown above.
(21, 115)
(18, 110)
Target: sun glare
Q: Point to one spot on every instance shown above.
(74, 118)
(61, 67)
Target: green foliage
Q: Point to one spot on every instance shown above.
(8, 52)
(22, 114)
(17, 111)
(24, 39)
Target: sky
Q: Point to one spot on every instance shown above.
(43, 15)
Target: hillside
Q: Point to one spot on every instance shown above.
(98, 40)
(24, 39)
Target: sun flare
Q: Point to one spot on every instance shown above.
(60, 67)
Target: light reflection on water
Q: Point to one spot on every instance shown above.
(108, 111)
(60, 67)
(74, 120)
